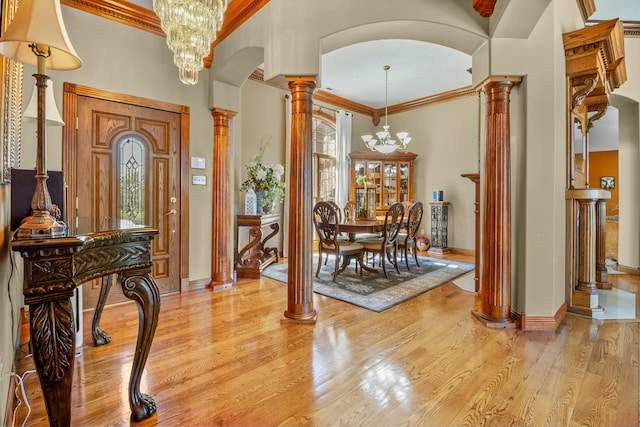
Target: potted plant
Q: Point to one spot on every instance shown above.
(265, 180)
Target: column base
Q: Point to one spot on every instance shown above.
(595, 313)
(224, 283)
(491, 322)
(438, 251)
(309, 319)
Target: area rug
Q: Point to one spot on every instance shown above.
(371, 290)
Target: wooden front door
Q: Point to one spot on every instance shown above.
(128, 168)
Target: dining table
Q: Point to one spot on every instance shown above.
(361, 226)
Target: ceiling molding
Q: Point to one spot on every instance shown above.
(120, 11)
(144, 19)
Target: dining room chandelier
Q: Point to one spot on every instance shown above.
(384, 143)
(190, 27)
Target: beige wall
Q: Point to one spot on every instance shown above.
(10, 300)
(121, 59)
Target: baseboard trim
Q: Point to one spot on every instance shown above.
(460, 251)
(542, 323)
(634, 271)
(198, 284)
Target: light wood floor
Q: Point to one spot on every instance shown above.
(224, 358)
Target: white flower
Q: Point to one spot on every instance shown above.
(279, 170)
(261, 174)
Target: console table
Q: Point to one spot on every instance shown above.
(439, 228)
(53, 268)
(255, 255)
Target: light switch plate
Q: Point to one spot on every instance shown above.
(197, 163)
(199, 180)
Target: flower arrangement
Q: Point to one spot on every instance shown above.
(265, 178)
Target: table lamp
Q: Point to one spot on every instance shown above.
(37, 37)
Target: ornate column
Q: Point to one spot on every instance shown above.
(221, 238)
(493, 300)
(300, 280)
(602, 278)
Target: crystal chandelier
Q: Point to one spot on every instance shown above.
(190, 26)
(384, 143)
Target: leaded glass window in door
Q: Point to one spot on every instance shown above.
(131, 170)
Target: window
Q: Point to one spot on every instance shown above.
(324, 157)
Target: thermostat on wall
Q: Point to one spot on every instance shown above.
(197, 163)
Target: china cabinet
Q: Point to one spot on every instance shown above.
(390, 174)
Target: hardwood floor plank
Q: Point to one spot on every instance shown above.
(224, 358)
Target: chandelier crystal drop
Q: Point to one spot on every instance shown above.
(384, 143)
(190, 26)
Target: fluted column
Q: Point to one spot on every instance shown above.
(300, 280)
(221, 218)
(602, 278)
(587, 245)
(493, 301)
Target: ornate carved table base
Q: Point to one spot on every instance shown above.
(256, 255)
(52, 270)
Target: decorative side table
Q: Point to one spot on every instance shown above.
(439, 228)
(255, 255)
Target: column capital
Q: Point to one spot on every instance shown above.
(496, 81)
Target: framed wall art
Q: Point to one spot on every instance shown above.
(607, 182)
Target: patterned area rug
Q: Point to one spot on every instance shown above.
(371, 290)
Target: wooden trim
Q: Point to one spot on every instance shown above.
(484, 7)
(120, 11)
(461, 251)
(541, 323)
(145, 19)
(634, 271)
(70, 95)
(329, 98)
(193, 285)
(237, 13)
(376, 113)
(630, 28)
(587, 8)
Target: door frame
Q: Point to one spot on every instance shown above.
(70, 94)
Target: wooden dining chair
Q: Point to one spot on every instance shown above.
(342, 237)
(325, 220)
(407, 241)
(387, 245)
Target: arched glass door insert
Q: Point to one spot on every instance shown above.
(132, 203)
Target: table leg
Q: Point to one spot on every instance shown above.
(138, 285)
(53, 342)
(101, 337)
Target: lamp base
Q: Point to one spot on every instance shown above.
(41, 225)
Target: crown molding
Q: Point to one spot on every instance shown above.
(144, 19)
(120, 11)
(630, 28)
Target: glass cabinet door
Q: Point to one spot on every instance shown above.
(403, 182)
(373, 173)
(389, 193)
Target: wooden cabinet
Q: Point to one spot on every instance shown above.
(390, 174)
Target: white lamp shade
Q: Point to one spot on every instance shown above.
(39, 22)
(53, 117)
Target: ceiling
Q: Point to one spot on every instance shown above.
(420, 69)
